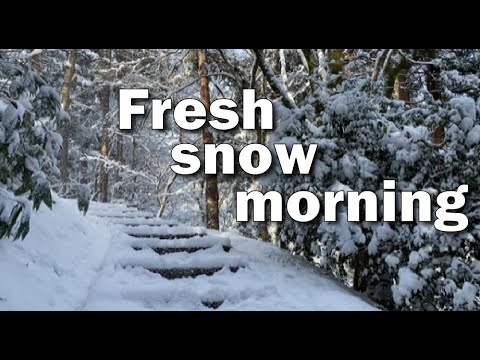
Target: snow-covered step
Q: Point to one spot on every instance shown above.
(208, 240)
(180, 273)
(190, 245)
(213, 257)
(97, 205)
(121, 214)
(199, 297)
(110, 207)
(164, 231)
(143, 221)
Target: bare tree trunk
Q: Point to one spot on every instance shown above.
(211, 181)
(262, 226)
(312, 60)
(395, 76)
(359, 264)
(283, 67)
(64, 131)
(163, 198)
(335, 64)
(119, 146)
(276, 85)
(134, 164)
(104, 145)
(434, 87)
(121, 55)
(381, 56)
(399, 88)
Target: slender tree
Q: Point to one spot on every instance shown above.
(69, 72)
(211, 181)
(105, 107)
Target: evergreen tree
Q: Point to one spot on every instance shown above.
(29, 108)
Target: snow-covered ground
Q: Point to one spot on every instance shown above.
(72, 262)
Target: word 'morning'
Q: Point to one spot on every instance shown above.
(191, 114)
(304, 206)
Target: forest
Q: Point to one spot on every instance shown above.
(408, 115)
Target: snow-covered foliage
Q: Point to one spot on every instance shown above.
(366, 134)
(28, 144)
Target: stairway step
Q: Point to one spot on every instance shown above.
(122, 214)
(213, 257)
(164, 232)
(165, 236)
(115, 206)
(169, 250)
(142, 221)
(134, 225)
(181, 273)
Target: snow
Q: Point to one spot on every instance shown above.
(339, 105)
(473, 137)
(162, 230)
(348, 167)
(271, 280)
(128, 221)
(466, 124)
(465, 296)
(408, 284)
(74, 262)
(121, 213)
(195, 241)
(392, 260)
(53, 267)
(465, 105)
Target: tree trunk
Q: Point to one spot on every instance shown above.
(104, 145)
(64, 131)
(134, 164)
(400, 91)
(381, 57)
(121, 55)
(359, 265)
(395, 79)
(336, 63)
(312, 60)
(262, 226)
(163, 198)
(434, 87)
(211, 181)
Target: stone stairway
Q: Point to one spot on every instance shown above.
(171, 250)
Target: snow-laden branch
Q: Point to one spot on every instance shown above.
(196, 80)
(109, 163)
(275, 84)
(303, 59)
(415, 62)
(387, 60)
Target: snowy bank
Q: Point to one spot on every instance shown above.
(52, 269)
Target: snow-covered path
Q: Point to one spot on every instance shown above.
(74, 262)
(165, 266)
